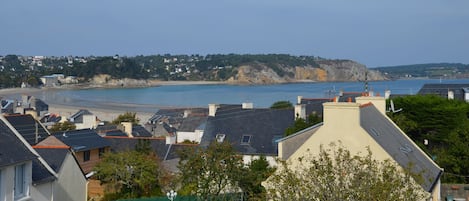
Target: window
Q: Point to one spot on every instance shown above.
(20, 181)
(101, 151)
(220, 137)
(86, 155)
(246, 139)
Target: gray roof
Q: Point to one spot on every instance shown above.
(158, 145)
(442, 90)
(82, 140)
(53, 156)
(140, 131)
(31, 130)
(12, 149)
(40, 174)
(190, 124)
(260, 128)
(400, 147)
(314, 105)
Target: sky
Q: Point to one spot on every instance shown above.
(372, 32)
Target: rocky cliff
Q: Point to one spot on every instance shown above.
(325, 71)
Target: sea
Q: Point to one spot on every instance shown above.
(261, 96)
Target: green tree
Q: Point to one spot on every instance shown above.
(63, 126)
(336, 174)
(126, 117)
(252, 177)
(130, 174)
(210, 173)
(301, 124)
(282, 105)
(444, 124)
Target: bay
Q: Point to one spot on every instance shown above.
(202, 95)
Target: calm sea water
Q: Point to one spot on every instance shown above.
(202, 95)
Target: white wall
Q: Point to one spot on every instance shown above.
(271, 159)
(71, 184)
(8, 182)
(191, 136)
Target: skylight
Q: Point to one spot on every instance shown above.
(246, 139)
(220, 137)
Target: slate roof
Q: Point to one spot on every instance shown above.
(400, 147)
(82, 140)
(442, 90)
(190, 124)
(12, 149)
(314, 105)
(27, 126)
(140, 131)
(163, 150)
(40, 174)
(53, 156)
(259, 127)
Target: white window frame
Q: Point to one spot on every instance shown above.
(249, 139)
(220, 137)
(21, 183)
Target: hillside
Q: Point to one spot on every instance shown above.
(430, 70)
(142, 70)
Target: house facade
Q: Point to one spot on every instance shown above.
(358, 126)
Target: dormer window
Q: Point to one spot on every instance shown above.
(246, 139)
(220, 137)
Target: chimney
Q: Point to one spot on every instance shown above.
(248, 105)
(342, 115)
(32, 113)
(387, 94)
(171, 139)
(450, 95)
(212, 109)
(127, 128)
(377, 101)
(299, 99)
(187, 113)
(300, 111)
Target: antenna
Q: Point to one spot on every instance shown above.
(392, 109)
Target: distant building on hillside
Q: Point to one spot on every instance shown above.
(449, 91)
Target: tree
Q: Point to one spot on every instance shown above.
(252, 177)
(301, 124)
(130, 174)
(282, 105)
(209, 173)
(126, 117)
(62, 126)
(336, 174)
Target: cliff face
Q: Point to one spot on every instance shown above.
(327, 70)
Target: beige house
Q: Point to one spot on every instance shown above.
(358, 125)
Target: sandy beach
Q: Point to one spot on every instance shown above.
(103, 110)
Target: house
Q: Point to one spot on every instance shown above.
(166, 122)
(87, 146)
(50, 119)
(32, 105)
(69, 174)
(25, 174)
(7, 106)
(84, 119)
(252, 131)
(358, 125)
(191, 129)
(126, 129)
(50, 81)
(449, 91)
(31, 129)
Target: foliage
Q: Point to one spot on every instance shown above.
(282, 105)
(130, 174)
(444, 124)
(301, 124)
(336, 174)
(435, 70)
(210, 172)
(126, 117)
(62, 126)
(252, 177)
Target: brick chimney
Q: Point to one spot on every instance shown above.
(341, 114)
(450, 95)
(127, 128)
(300, 111)
(212, 109)
(377, 101)
(248, 105)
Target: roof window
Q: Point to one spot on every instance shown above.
(246, 139)
(220, 137)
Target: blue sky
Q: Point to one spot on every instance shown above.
(375, 33)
